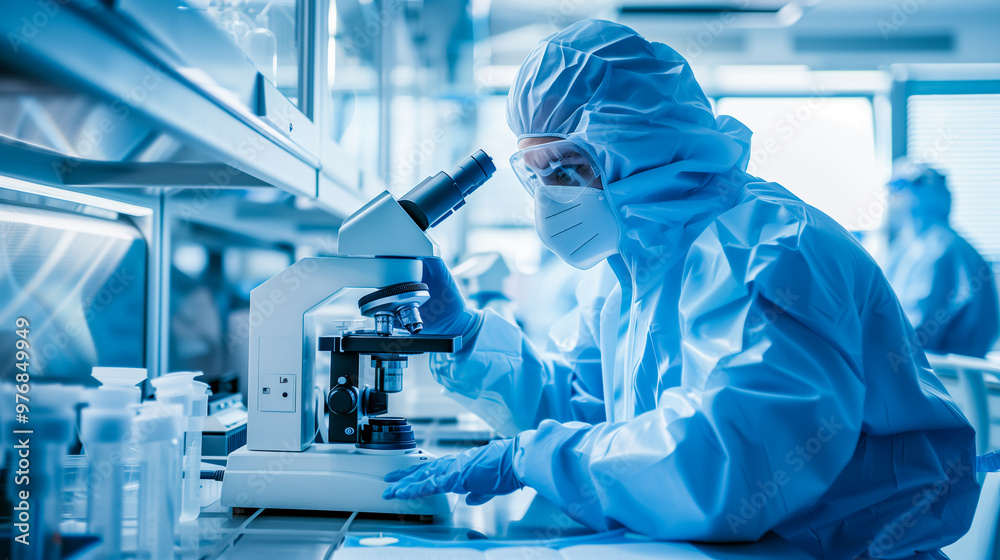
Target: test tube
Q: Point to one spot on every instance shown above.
(157, 429)
(180, 388)
(105, 428)
(191, 499)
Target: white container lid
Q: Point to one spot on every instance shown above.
(199, 401)
(180, 387)
(123, 377)
(157, 422)
(119, 376)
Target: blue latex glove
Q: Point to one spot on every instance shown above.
(483, 472)
(446, 313)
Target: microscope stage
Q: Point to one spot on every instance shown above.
(327, 477)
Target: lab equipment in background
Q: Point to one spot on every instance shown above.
(157, 430)
(50, 419)
(180, 388)
(127, 379)
(482, 279)
(965, 379)
(225, 428)
(105, 429)
(378, 276)
(265, 31)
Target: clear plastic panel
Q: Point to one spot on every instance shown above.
(267, 31)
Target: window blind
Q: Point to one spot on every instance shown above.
(960, 135)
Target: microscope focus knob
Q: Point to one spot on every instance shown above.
(342, 399)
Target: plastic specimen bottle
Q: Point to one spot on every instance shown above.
(105, 429)
(157, 431)
(180, 388)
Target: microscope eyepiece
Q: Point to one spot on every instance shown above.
(436, 197)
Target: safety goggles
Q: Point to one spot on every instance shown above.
(560, 170)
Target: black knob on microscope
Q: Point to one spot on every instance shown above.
(342, 399)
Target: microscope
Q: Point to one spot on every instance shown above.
(362, 310)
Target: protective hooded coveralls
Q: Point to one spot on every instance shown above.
(946, 288)
(750, 371)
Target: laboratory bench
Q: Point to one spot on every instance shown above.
(521, 525)
(523, 520)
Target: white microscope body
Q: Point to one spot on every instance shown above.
(379, 270)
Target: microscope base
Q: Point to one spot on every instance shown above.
(328, 477)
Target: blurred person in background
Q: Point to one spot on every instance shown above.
(945, 287)
(482, 278)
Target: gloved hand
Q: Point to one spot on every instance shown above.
(483, 472)
(446, 313)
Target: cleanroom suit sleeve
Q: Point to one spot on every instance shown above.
(513, 385)
(766, 417)
(937, 290)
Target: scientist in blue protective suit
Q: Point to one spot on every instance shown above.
(751, 370)
(946, 288)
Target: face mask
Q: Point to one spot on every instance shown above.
(582, 231)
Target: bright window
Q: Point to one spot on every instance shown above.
(822, 149)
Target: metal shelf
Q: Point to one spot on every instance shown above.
(87, 47)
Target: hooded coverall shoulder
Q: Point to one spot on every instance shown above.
(947, 289)
(751, 371)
